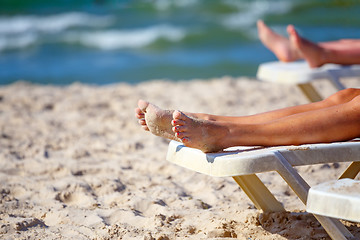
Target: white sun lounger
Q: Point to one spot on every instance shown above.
(242, 163)
(302, 75)
(336, 199)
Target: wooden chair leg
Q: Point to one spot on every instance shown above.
(351, 171)
(258, 193)
(310, 92)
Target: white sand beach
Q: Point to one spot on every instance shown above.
(74, 164)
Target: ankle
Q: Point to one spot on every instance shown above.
(328, 56)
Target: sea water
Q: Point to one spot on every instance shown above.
(109, 41)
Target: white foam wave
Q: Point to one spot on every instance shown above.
(116, 39)
(164, 5)
(254, 10)
(21, 41)
(52, 23)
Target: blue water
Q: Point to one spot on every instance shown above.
(101, 42)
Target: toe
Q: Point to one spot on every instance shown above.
(180, 135)
(143, 105)
(291, 29)
(177, 115)
(185, 140)
(142, 122)
(179, 128)
(145, 128)
(139, 111)
(259, 23)
(177, 122)
(139, 116)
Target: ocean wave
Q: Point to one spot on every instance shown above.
(52, 23)
(18, 42)
(250, 12)
(164, 5)
(117, 39)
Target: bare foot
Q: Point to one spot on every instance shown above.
(311, 52)
(279, 45)
(201, 134)
(156, 120)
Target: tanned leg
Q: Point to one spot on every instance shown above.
(340, 97)
(342, 52)
(328, 124)
(160, 120)
(342, 44)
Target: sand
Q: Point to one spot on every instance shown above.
(74, 164)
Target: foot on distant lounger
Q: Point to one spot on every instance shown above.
(311, 52)
(202, 134)
(279, 45)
